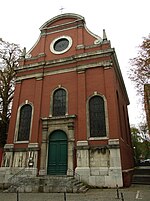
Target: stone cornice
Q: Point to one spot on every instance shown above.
(119, 75)
(104, 64)
(58, 118)
(64, 61)
(74, 16)
(29, 67)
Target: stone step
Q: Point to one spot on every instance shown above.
(141, 179)
(83, 189)
(142, 171)
(141, 175)
(48, 184)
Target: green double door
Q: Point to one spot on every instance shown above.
(57, 153)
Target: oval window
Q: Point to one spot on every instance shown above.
(61, 44)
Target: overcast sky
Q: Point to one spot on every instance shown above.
(126, 22)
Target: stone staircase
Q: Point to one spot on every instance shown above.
(48, 184)
(141, 175)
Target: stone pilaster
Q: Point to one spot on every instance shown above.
(43, 158)
(83, 168)
(8, 155)
(70, 148)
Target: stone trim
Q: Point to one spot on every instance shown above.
(76, 17)
(66, 70)
(51, 124)
(8, 147)
(128, 170)
(21, 149)
(94, 35)
(43, 33)
(82, 145)
(78, 57)
(51, 101)
(106, 117)
(58, 38)
(18, 118)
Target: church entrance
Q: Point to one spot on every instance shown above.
(57, 153)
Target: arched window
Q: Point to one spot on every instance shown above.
(97, 117)
(24, 123)
(59, 102)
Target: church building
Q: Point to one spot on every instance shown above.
(69, 113)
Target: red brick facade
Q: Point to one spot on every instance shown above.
(88, 68)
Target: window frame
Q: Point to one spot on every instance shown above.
(52, 101)
(52, 44)
(106, 118)
(18, 121)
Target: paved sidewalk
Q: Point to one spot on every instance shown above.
(134, 193)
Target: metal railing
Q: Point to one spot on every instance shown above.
(21, 175)
(16, 177)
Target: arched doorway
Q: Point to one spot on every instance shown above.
(57, 153)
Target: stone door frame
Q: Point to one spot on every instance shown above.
(49, 125)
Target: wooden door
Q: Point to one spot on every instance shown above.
(57, 154)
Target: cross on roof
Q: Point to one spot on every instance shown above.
(61, 9)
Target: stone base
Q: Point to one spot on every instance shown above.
(84, 174)
(48, 184)
(100, 177)
(7, 173)
(42, 172)
(127, 177)
(99, 165)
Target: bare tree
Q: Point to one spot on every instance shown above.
(9, 54)
(139, 71)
